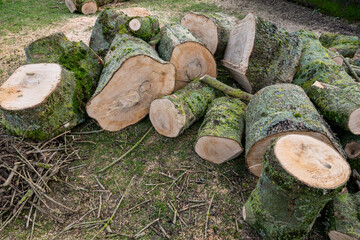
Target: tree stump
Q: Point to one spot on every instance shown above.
(172, 115)
(133, 76)
(300, 175)
(205, 26)
(279, 110)
(76, 57)
(190, 57)
(39, 101)
(219, 137)
(85, 7)
(345, 45)
(333, 91)
(259, 54)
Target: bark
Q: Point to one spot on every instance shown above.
(205, 26)
(260, 54)
(58, 111)
(190, 57)
(284, 206)
(219, 137)
(279, 110)
(132, 77)
(145, 28)
(76, 57)
(171, 115)
(345, 45)
(339, 94)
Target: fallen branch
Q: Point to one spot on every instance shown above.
(208, 215)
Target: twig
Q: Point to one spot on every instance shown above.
(99, 209)
(99, 183)
(208, 215)
(85, 133)
(137, 205)
(350, 68)
(172, 184)
(193, 206)
(129, 151)
(146, 227)
(163, 231)
(33, 225)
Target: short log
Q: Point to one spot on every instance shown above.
(133, 76)
(219, 137)
(300, 175)
(345, 45)
(171, 115)
(351, 145)
(279, 110)
(190, 57)
(85, 7)
(145, 28)
(205, 26)
(40, 101)
(259, 54)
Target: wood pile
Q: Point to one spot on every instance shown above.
(87, 7)
(134, 68)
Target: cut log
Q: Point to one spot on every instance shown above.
(172, 115)
(145, 28)
(76, 57)
(219, 137)
(39, 101)
(279, 110)
(351, 145)
(259, 54)
(339, 102)
(133, 76)
(85, 7)
(190, 57)
(345, 45)
(112, 22)
(300, 175)
(345, 222)
(205, 26)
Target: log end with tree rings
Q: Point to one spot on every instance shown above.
(89, 8)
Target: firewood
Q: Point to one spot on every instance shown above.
(345, 45)
(145, 28)
(333, 91)
(39, 101)
(351, 145)
(190, 57)
(259, 54)
(111, 22)
(213, 29)
(300, 175)
(219, 137)
(133, 76)
(82, 6)
(279, 110)
(173, 114)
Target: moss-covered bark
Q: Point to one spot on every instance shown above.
(149, 28)
(80, 3)
(59, 112)
(281, 206)
(345, 45)
(279, 109)
(76, 57)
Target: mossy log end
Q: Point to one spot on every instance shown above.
(190, 57)
(300, 175)
(344, 220)
(76, 57)
(345, 45)
(219, 137)
(145, 28)
(205, 26)
(82, 6)
(133, 76)
(259, 54)
(40, 101)
(279, 110)
(171, 115)
(351, 145)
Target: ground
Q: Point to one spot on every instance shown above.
(164, 173)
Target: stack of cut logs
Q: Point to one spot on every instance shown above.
(132, 67)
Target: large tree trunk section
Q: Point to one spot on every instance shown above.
(133, 76)
(145, 28)
(220, 135)
(316, 73)
(190, 57)
(82, 6)
(205, 26)
(111, 22)
(259, 54)
(345, 45)
(344, 221)
(40, 101)
(172, 115)
(300, 175)
(279, 110)
(76, 57)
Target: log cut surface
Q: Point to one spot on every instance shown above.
(29, 86)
